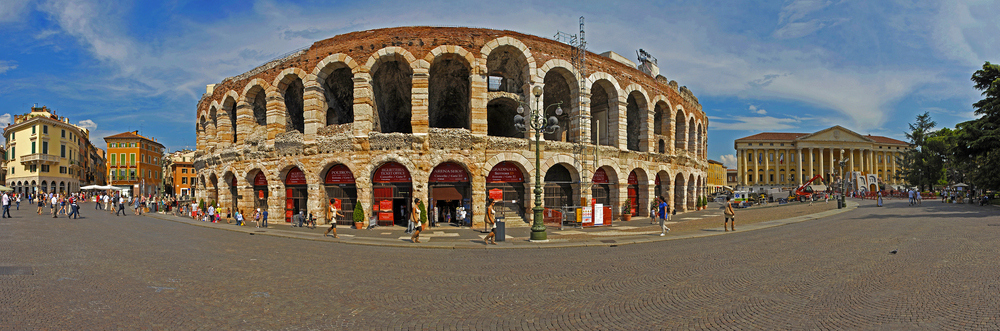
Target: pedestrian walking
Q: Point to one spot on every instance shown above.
(121, 206)
(491, 222)
(730, 214)
(910, 192)
(664, 209)
(74, 209)
(263, 217)
(41, 204)
(415, 220)
(256, 217)
(879, 198)
(920, 199)
(239, 218)
(333, 219)
(211, 213)
(17, 200)
(54, 201)
(6, 205)
(653, 214)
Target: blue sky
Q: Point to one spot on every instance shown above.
(792, 66)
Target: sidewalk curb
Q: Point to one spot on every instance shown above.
(626, 240)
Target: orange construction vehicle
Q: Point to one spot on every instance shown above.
(805, 189)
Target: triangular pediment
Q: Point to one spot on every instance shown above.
(836, 133)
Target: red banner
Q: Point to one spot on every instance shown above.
(385, 205)
(260, 194)
(295, 177)
(633, 179)
(259, 179)
(600, 177)
(505, 172)
(449, 172)
(496, 194)
(385, 216)
(392, 172)
(339, 174)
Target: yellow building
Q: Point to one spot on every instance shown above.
(46, 153)
(134, 162)
(716, 176)
(782, 159)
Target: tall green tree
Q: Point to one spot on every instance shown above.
(921, 166)
(978, 141)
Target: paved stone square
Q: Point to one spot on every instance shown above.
(837, 272)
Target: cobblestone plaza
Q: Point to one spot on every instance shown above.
(836, 272)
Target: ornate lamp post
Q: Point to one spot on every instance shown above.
(843, 183)
(537, 121)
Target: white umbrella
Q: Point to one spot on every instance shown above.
(961, 185)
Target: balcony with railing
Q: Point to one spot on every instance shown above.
(39, 158)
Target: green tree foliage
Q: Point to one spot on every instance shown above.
(978, 141)
(921, 165)
(359, 213)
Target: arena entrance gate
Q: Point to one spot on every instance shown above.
(603, 192)
(634, 190)
(340, 185)
(260, 192)
(558, 193)
(505, 183)
(296, 194)
(450, 189)
(392, 188)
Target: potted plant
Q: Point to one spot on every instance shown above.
(627, 210)
(359, 216)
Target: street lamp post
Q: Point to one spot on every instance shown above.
(536, 120)
(843, 183)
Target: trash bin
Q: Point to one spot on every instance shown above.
(501, 231)
(840, 204)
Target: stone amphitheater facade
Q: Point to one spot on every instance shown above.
(425, 103)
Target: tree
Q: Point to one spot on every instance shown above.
(978, 141)
(921, 166)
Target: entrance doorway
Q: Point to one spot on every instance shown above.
(450, 190)
(296, 194)
(234, 198)
(505, 183)
(605, 192)
(637, 194)
(340, 185)
(558, 193)
(260, 191)
(392, 189)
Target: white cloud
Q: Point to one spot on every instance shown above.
(958, 34)
(729, 160)
(759, 111)
(6, 66)
(13, 10)
(762, 123)
(88, 124)
(5, 119)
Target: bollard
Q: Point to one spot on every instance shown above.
(501, 230)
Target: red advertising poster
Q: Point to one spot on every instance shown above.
(385, 216)
(505, 172)
(633, 179)
(259, 179)
(392, 172)
(339, 174)
(600, 177)
(496, 194)
(288, 216)
(449, 172)
(260, 194)
(290, 204)
(295, 177)
(385, 205)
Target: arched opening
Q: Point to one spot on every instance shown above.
(392, 86)
(635, 111)
(260, 190)
(559, 192)
(679, 191)
(691, 139)
(258, 102)
(449, 91)
(605, 193)
(341, 187)
(450, 190)
(213, 117)
(506, 184)
(508, 70)
(500, 118)
(638, 192)
(294, 105)
(234, 201)
(296, 194)
(62, 187)
(603, 113)
(213, 191)
(661, 146)
(229, 106)
(661, 188)
(392, 189)
(680, 131)
(202, 124)
(45, 187)
(557, 88)
(338, 88)
(661, 125)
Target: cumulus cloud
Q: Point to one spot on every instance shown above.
(5, 119)
(759, 111)
(6, 66)
(729, 160)
(88, 124)
(762, 123)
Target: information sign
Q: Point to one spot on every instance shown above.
(385, 205)
(505, 172)
(496, 194)
(598, 214)
(449, 172)
(588, 216)
(601, 177)
(339, 174)
(295, 177)
(259, 179)
(392, 172)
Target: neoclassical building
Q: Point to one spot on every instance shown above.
(383, 116)
(783, 159)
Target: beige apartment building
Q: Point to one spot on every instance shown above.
(46, 153)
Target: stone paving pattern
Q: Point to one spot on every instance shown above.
(835, 272)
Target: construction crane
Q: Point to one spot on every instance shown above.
(805, 189)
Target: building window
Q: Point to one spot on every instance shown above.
(131, 174)
(770, 157)
(62, 150)
(184, 171)
(761, 177)
(33, 129)
(121, 159)
(131, 159)
(62, 170)
(113, 158)
(772, 144)
(45, 129)
(45, 147)
(64, 133)
(771, 177)
(45, 168)
(184, 180)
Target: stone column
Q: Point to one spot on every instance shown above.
(419, 101)
(820, 164)
(224, 134)
(850, 158)
(798, 170)
(741, 166)
(314, 108)
(365, 117)
(479, 91)
(756, 166)
(622, 139)
(245, 121)
(316, 200)
(767, 166)
(276, 113)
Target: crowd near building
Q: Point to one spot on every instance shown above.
(178, 168)
(47, 153)
(134, 163)
(383, 116)
(782, 159)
